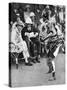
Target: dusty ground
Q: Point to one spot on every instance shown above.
(36, 75)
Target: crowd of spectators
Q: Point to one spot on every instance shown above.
(47, 19)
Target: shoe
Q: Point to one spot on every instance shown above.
(28, 64)
(37, 60)
(52, 79)
(33, 61)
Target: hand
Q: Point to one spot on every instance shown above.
(36, 35)
(26, 34)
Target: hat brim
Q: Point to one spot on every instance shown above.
(19, 25)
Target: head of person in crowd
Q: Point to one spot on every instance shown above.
(11, 23)
(19, 21)
(27, 7)
(45, 14)
(32, 16)
(18, 17)
(44, 17)
(47, 10)
(16, 11)
(47, 7)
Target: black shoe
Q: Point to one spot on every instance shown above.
(28, 64)
(52, 79)
(33, 61)
(37, 60)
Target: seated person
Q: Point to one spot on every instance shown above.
(20, 44)
(30, 35)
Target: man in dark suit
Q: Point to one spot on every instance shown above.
(30, 34)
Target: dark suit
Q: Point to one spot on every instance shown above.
(34, 40)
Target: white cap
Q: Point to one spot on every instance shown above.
(28, 20)
(32, 14)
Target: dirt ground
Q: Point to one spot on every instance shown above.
(36, 75)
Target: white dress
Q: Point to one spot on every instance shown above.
(19, 44)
